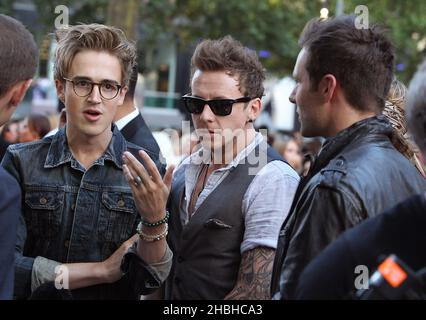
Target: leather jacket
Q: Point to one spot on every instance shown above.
(358, 174)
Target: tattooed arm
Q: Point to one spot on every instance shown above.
(254, 276)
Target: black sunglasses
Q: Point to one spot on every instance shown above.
(220, 107)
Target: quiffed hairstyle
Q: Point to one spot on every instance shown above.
(361, 59)
(72, 40)
(228, 54)
(18, 53)
(416, 107)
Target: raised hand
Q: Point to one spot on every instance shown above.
(150, 191)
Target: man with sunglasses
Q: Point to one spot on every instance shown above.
(79, 217)
(229, 198)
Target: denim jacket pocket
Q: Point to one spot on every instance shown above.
(45, 212)
(117, 217)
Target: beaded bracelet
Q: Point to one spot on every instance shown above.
(152, 238)
(156, 223)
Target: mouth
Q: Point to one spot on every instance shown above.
(214, 134)
(92, 115)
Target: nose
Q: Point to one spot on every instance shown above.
(292, 96)
(207, 115)
(95, 95)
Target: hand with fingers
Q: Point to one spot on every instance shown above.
(150, 191)
(112, 270)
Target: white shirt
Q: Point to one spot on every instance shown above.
(126, 119)
(266, 202)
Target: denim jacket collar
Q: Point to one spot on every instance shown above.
(60, 153)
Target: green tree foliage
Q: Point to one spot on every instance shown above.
(272, 26)
(406, 22)
(275, 25)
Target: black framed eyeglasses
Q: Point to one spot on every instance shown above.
(220, 107)
(83, 88)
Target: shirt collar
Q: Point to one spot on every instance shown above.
(126, 119)
(59, 152)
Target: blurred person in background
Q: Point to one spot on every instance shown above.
(61, 122)
(33, 127)
(9, 135)
(289, 149)
(10, 132)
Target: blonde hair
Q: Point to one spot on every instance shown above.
(395, 113)
(98, 37)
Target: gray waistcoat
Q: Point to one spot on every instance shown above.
(207, 249)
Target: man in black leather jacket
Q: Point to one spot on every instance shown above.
(343, 74)
(399, 231)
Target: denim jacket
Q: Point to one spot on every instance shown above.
(70, 214)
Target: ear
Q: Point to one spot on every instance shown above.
(327, 87)
(255, 106)
(18, 92)
(60, 90)
(122, 95)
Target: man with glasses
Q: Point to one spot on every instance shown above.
(229, 198)
(79, 217)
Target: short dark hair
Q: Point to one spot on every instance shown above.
(228, 54)
(130, 94)
(361, 59)
(18, 53)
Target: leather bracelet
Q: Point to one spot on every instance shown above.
(152, 238)
(156, 223)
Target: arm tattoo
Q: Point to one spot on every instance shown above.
(254, 276)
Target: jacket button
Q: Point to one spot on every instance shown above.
(180, 259)
(43, 200)
(339, 162)
(120, 203)
(67, 243)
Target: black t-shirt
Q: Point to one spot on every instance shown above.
(399, 231)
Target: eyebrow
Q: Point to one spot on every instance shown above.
(89, 79)
(214, 98)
